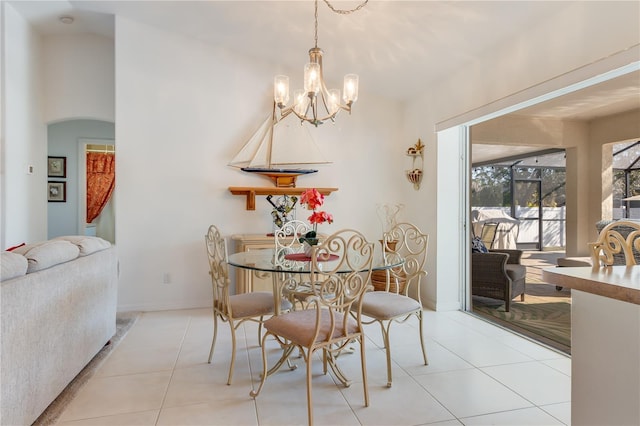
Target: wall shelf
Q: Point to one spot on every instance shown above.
(415, 174)
(251, 191)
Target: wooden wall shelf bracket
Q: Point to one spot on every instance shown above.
(250, 192)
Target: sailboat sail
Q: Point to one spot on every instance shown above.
(279, 143)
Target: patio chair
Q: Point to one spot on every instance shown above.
(498, 274)
(488, 234)
(618, 244)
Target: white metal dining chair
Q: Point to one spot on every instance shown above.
(326, 325)
(237, 308)
(287, 242)
(394, 304)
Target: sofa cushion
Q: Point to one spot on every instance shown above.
(49, 253)
(12, 265)
(86, 244)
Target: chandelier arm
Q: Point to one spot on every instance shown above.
(315, 121)
(285, 111)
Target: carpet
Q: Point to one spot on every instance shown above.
(124, 322)
(547, 322)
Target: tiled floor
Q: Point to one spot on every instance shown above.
(478, 374)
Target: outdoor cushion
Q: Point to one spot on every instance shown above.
(516, 272)
(477, 246)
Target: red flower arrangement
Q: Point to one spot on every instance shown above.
(313, 199)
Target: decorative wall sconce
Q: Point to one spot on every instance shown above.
(415, 174)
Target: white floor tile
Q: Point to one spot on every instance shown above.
(528, 416)
(103, 396)
(563, 365)
(144, 418)
(229, 412)
(440, 359)
(561, 412)
(471, 392)
(535, 381)
(482, 351)
(405, 403)
(477, 374)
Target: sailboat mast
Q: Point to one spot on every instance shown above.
(273, 123)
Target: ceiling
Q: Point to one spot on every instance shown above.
(610, 97)
(390, 44)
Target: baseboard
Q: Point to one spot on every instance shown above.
(150, 307)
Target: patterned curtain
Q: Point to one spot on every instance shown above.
(101, 173)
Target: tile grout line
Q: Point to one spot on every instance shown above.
(173, 369)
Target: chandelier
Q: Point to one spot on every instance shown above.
(315, 96)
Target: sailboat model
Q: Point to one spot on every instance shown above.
(276, 149)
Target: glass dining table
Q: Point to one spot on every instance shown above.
(263, 262)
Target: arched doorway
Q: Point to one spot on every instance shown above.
(67, 139)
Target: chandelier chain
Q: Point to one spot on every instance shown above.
(316, 28)
(338, 11)
(346, 11)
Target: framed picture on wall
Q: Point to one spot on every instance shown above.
(57, 192)
(57, 167)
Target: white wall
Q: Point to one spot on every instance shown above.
(79, 77)
(24, 143)
(183, 109)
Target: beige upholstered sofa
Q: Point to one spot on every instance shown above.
(58, 309)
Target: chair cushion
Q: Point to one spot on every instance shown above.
(252, 304)
(516, 272)
(299, 326)
(385, 306)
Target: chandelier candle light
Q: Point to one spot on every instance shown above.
(306, 103)
(313, 199)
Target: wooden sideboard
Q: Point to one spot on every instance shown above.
(246, 280)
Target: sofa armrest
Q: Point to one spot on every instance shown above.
(514, 255)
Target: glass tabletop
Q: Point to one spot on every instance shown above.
(262, 260)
